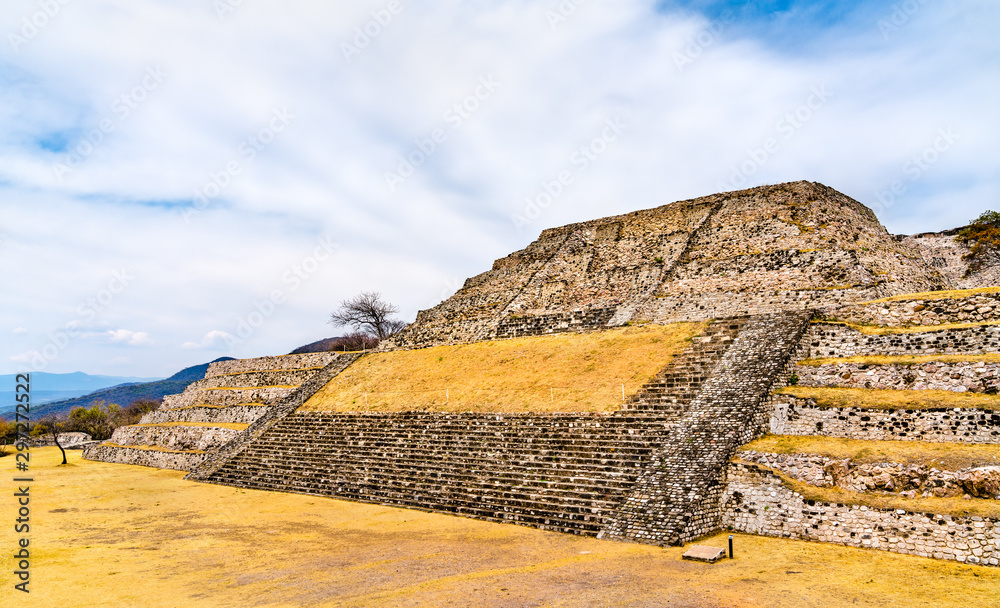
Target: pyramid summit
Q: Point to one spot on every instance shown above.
(772, 248)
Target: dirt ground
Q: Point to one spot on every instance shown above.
(127, 536)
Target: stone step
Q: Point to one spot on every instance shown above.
(234, 413)
(185, 438)
(294, 377)
(267, 395)
(285, 362)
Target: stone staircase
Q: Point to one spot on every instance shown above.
(676, 385)
(561, 472)
(211, 412)
(677, 497)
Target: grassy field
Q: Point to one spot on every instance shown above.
(889, 399)
(131, 537)
(560, 373)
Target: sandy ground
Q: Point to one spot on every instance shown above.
(118, 535)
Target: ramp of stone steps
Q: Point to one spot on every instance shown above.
(676, 499)
(564, 472)
(673, 387)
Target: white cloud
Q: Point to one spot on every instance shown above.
(213, 340)
(131, 338)
(202, 126)
(19, 330)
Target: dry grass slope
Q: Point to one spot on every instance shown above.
(903, 359)
(560, 373)
(935, 295)
(943, 456)
(888, 399)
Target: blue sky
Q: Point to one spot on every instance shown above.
(190, 179)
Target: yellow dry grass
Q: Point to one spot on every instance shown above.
(956, 507)
(903, 359)
(109, 535)
(560, 373)
(236, 426)
(882, 330)
(944, 456)
(888, 399)
(935, 295)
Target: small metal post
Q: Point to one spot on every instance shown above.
(730, 546)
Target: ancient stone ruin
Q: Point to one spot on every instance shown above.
(805, 291)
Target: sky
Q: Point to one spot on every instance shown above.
(183, 180)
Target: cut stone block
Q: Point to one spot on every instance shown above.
(704, 553)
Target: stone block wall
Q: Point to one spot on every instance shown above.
(159, 459)
(801, 416)
(757, 502)
(576, 320)
(922, 311)
(198, 438)
(834, 340)
(885, 477)
(959, 376)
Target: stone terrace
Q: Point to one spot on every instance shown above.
(210, 412)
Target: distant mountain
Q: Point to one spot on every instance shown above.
(122, 394)
(319, 346)
(46, 387)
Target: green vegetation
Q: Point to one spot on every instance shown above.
(983, 238)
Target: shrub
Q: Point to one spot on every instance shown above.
(983, 238)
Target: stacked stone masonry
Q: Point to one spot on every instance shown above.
(188, 427)
(833, 340)
(961, 376)
(793, 415)
(925, 311)
(885, 477)
(676, 499)
(756, 501)
(564, 472)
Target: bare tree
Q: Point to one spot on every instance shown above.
(368, 313)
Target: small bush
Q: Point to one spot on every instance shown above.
(793, 380)
(983, 238)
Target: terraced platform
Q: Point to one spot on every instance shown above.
(214, 411)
